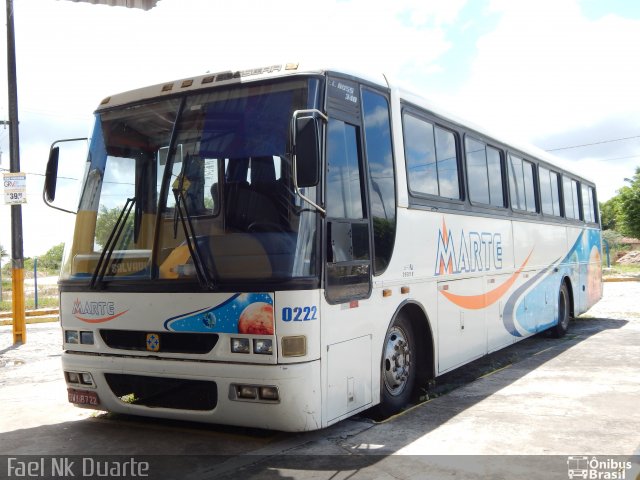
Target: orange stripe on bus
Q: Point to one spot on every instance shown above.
(476, 302)
(100, 320)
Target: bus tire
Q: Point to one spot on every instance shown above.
(564, 312)
(398, 370)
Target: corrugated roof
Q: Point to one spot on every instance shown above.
(141, 4)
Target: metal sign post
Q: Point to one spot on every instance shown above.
(17, 256)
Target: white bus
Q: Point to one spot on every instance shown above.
(285, 247)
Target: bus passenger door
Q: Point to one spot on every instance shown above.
(347, 268)
(348, 250)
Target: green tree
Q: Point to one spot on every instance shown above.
(107, 218)
(610, 212)
(629, 217)
(52, 260)
(3, 253)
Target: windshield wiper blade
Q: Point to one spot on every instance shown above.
(192, 242)
(107, 251)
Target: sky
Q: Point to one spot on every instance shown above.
(563, 75)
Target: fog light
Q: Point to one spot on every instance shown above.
(86, 338)
(73, 377)
(240, 345)
(263, 346)
(86, 379)
(269, 393)
(71, 336)
(247, 391)
(294, 346)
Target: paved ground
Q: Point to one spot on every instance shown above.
(548, 400)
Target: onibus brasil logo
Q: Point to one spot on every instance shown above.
(594, 468)
(95, 312)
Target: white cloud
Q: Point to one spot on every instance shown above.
(544, 69)
(71, 55)
(547, 68)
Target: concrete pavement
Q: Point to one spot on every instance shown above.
(550, 401)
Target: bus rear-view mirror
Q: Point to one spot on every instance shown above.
(307, 151)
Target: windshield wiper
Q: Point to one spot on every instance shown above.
(107, 251)
(182, 212)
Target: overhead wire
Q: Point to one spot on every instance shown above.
(592, 144)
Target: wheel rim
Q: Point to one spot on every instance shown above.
(396, 362)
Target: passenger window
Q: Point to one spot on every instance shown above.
(432, 163)
(496, 174)
(382, 192)
(344, 198)
(588, 204)
(570, 192)
(522, 184)
(484, 170)
(549, 195)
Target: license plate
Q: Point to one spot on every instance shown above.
(83, 397)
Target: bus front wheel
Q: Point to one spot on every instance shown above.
(398, 367)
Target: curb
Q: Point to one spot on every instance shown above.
(621, 279)
(43, 315)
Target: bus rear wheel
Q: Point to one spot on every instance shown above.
(564, 312)
(398, 373)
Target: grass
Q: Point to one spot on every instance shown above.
(619, 269)
(30, 304)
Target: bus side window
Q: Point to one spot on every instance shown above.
(549, 196)
(485, 172)
(570, 191)
(382, 189)
(432, 161)
(344, 198)
(588, 204)
(522, 184)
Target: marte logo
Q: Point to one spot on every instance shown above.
(95, 312)
(470, 252)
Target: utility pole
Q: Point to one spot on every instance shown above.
(17, 255)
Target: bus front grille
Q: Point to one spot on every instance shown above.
(177, 393)
(168, 342)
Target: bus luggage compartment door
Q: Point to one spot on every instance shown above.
(348, 376)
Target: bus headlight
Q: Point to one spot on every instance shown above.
(254, 393)
(247, 392)
(71, 336)
(240, 345)
(263, 346)
(76, 337)
(86, 338)
(269, 393)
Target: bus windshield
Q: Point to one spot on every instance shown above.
(196, 188)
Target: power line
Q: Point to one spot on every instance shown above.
(620, 158)
(39, 174)
(594, 143)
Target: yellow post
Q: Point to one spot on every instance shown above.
(19, 323)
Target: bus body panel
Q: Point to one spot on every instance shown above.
(483, 276)
(299, 407)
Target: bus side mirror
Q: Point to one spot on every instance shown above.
(51, 176)
(55, 179)
(307, 151)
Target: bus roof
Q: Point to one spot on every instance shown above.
(230, 77)
(519, 145)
